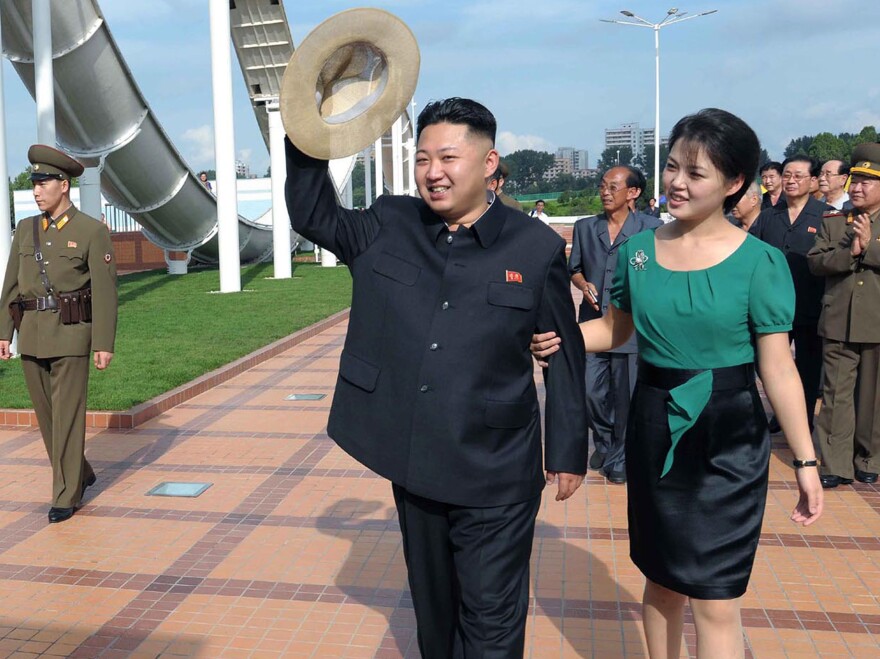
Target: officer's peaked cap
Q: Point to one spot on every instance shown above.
(48, 162)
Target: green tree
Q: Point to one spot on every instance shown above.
(646, 162)
(527, 166)
(22, 181)
(609, 158)
(826, 146)
(798, 147)
(764, 157)
(358, 187)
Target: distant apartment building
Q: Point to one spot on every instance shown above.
(632, 136)
(242, 170)
(568, 160)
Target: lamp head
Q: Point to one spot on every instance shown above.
(627, 13)
(672, 11)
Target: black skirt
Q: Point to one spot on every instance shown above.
(695, 530)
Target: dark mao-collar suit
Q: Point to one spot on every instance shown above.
(795, 239)
(436, 393)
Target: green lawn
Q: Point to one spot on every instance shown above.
(173, 328)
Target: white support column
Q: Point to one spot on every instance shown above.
(380, 190)
(90, 191)
(368, 177)
(5, 218)
(41, 12)
(224, 148)
(397, 156)
(280, 219)
(411, 147)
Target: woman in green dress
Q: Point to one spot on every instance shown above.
(709, 305)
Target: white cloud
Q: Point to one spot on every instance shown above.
(199, 149)
(244, 155)
(508, 142)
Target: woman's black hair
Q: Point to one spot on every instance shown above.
(728, 141)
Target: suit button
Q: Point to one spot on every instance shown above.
(444, 306)
(449, 238)
(610, 252)
(434, 346)
(861, 283)
(423, 388)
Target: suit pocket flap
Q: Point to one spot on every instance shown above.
(397, 269)
(516, 296)
(71, 253)
(500, 414)
(358, 372)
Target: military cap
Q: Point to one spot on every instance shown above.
(866, 159)
(47, 162)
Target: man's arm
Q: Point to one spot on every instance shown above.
(565, 410)
(576, 267)
(10, 289)
(102, 271)
(829, 257)
(315, 213)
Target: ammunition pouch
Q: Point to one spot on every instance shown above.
(75, 307)
(16, 310)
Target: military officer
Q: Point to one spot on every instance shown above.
(847, 254)
(60, 290)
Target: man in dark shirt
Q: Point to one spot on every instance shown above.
(610, 376)
(771, 179)
(436, 389)
(792, 228)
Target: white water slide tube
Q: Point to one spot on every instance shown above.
(103, 119)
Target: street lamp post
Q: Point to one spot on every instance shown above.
(672, 16)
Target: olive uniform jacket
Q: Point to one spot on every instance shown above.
(851, 304)
(436, 389)
(78, 255)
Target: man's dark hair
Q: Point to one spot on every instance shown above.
(728, 141)
(815, 167)
(635, 178)
(457, 110)
(653, 199)
(540, 201)
(771, 164)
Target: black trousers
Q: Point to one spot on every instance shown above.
(469, 575)
(611, 379)
(808, 360)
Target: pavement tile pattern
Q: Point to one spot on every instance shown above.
(294, 550)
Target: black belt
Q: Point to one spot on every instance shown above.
(39, 304)
(729, 377)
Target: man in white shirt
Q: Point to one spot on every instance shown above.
(832, 179)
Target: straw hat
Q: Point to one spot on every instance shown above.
(347, 82)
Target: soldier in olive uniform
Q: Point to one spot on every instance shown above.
(847, 253)
(60, 290)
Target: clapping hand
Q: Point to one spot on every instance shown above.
(862, 237)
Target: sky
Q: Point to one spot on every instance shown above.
(550, 71)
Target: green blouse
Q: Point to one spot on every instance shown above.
(701, 319)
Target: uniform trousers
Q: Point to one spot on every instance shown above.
(611, 379)
(808, 360)
(58, 387)
(848, 426)
(468, 574)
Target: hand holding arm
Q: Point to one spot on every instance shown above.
(5, 352)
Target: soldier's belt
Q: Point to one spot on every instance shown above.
(74, 307)
(48, 303)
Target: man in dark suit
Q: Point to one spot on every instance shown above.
(436, 389)
(610, 376)
(792, 228)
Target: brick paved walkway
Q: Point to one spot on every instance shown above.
(294, 550)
